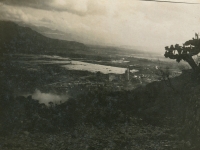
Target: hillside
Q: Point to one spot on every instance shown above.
(155, 115)
(18, 39)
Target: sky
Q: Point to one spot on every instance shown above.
(143, 25)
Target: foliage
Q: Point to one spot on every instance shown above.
(189, 49)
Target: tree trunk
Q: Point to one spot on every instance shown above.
(191, 62)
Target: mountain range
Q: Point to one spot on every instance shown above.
(18, 39)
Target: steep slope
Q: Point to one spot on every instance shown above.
(18, 39)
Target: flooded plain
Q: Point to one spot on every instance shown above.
(75, 65)
(50, 76)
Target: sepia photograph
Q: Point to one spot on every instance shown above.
(99, 75)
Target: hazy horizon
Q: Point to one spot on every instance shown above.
(137, 24)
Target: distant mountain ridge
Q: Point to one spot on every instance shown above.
(18, 39)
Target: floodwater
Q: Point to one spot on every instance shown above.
(78, 65)
(74, 64)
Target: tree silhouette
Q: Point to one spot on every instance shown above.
(189, 49)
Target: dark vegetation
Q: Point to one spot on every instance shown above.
(167, 118)
(189, 49)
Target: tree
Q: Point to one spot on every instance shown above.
(189, 49)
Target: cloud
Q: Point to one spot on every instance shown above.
(24, 15)
(28, 3)
(115, 22)
(12, 14)
(78, 7)
(46, 20)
